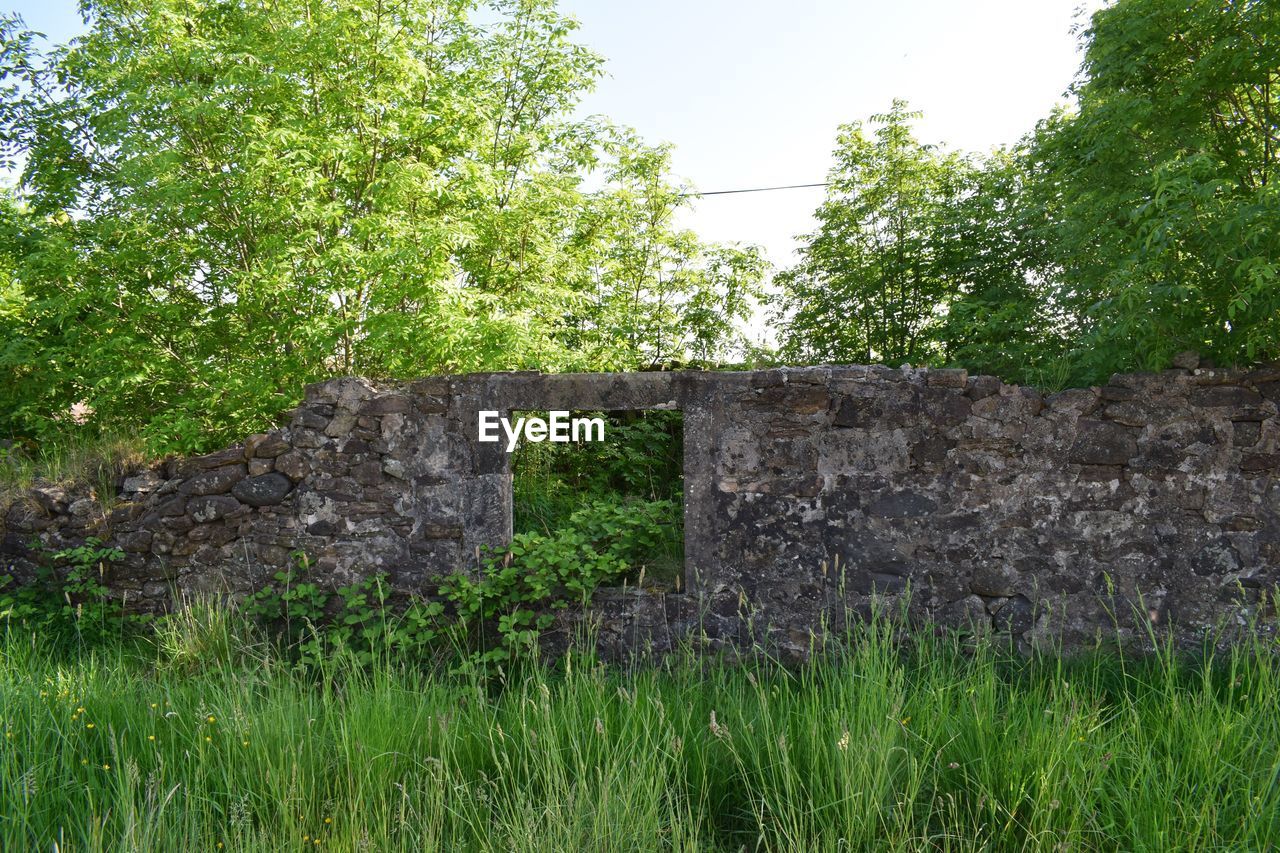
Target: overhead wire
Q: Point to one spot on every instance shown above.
(754, 190)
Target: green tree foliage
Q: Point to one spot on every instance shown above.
(563, 490)
(1160, 189)
(1141, 223)
(222, 201)
(925, 257)
(872, 278)
(652, 294)
(1002, 317)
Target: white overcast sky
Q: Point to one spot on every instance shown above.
(751, 92)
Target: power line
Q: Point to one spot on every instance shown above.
(754, 190)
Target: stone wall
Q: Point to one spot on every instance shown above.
(807, 493)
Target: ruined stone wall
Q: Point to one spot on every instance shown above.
(807, 492)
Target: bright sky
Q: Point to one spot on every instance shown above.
(751, 92)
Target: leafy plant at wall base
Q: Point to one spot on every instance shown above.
(641, 464)
(294, 607)
(539, 573)
(21, 605)
(356, 619)
(290, 603)
(68, 594)
(366, 624)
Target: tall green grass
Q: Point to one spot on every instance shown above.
(93, 462)
(206, 740)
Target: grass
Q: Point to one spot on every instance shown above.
(94, 462)
(205, 739)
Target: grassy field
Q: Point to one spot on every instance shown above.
(211, 742)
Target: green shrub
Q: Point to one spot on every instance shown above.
(68, 598)
(641, 457)
(316, 623)
(518, 589)
(493, 615)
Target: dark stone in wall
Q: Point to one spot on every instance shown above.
(1259, 461)
(994, 579)
(1102, 443)
(262, 490)
(217, 481)
(809, 493)
(266, 446)
(211, 507)
(1225, 395)
(901, 505)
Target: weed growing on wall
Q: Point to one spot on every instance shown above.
(316, 622)
(69, 597)
(490, 617)
(520, 588)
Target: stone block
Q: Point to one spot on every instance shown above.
(949, 378)
(1225, 395)
(262, 490)
(1102, 443)
(208, 508)
(294, 465)
(386, 404)
(215, 481)
(267, 445)
(994, 579)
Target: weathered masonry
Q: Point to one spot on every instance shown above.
(807, 492)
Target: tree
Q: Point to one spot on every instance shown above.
(1160, 190)
(1002, 318)
(223, 201)
(654, 294)
(871, 285)
(1138, 224)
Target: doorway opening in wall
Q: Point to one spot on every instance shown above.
(619, 500)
